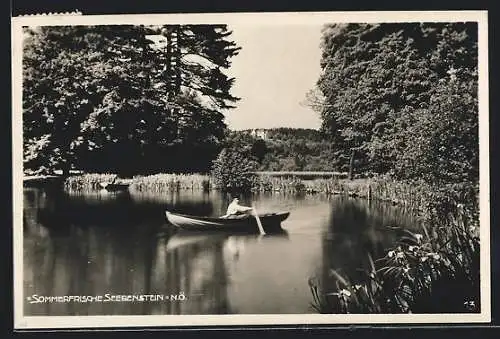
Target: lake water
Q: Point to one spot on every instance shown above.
(120, 244)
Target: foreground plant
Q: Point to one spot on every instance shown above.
(433, 272)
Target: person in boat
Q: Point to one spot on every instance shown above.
(235, 210)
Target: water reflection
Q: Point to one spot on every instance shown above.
(356, 230)
(120, 243)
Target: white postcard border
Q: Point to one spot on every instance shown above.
(295, 18)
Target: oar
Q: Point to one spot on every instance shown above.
(256, 215)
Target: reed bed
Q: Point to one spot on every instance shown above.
(171, 182)
(267, 183)
(382, 189)
(153, 183)
(400, 193)
(87, 182)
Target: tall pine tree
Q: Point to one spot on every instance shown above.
(102, 98)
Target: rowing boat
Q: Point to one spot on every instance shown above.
(114, 187)
(245, 223)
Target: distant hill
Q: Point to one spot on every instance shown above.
(285, 133)
(288, 149)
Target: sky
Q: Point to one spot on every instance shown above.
(275, 68)
(277, 65)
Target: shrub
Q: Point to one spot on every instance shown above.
(233, 171)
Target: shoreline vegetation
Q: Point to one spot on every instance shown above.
(382, 188)
(289, 182)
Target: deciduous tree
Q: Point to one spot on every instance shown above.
(385, 87)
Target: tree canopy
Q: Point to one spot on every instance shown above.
(402, 98)
(105, 98)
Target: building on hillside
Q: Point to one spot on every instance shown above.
(157, 41)
(259, 133)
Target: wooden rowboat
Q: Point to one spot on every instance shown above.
(114, 187)
(271, 222)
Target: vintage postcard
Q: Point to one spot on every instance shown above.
(250, 169)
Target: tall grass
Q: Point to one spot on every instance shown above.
(155, 183)
(409, 195)
(269, 183)
(87, 182)
(168, 182)
(375, 188)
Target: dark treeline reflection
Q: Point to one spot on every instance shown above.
(120, 243)
(358, 229)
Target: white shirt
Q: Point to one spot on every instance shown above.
(234, 208)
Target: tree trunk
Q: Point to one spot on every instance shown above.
(351, 164)
(65, 170)
(168, 57)
(177, 58)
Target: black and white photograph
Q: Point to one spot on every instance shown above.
(251, 169)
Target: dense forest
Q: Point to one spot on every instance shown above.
(402, 99)
(286, 149)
